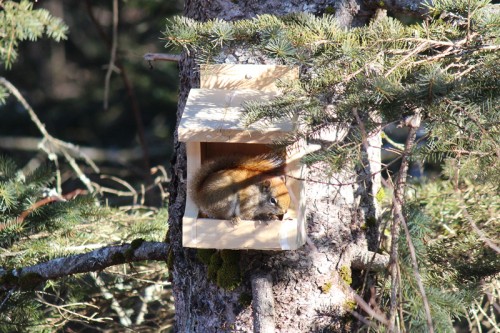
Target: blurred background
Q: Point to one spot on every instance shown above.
(130, 142)
(64, 82)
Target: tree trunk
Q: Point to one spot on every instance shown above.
(309, 285)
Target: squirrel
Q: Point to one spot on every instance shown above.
(241, 188)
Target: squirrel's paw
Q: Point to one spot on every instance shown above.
(265, 222)
(267, 219)
(235, 220)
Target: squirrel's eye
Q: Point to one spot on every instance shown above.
(273, 201)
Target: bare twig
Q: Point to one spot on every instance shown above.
(130, 92)
(6, 298)
(131, 191)
(89, 154)
(122, 315)
(162, 57)
(364, 134)
(363, 319)
(63, 309)
(146, 297)
(353, 75)
(415, 51)
(468, 22)
(56, 145)
(398, 219)
(400, 307)
(38, 204)
(416, 272)
(112, 59)
(367, 308)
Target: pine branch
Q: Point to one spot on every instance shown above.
(482, 236)
(392, 69)
(20, 22)
(92, 261)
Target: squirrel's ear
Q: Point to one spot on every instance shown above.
(266, 185)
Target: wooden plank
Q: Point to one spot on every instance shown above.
(295, 172)
(243, 76)
(191, 211)
(214, 115)
(221, 234)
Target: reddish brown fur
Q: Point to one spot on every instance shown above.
(236, 187)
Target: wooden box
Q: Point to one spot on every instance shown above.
(211, 126)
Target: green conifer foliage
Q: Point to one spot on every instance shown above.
(27, 209)
(19, 22)
(438, 66)
(37, 225)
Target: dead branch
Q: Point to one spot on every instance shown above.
(96, 260)
(112, 58)
(422, 47)
(64, 311)
(367, 308)
(162, 57)
(94, 154)
(134, 104)
(56, 146)
(399, 220)
(115, 305)
(263, 303)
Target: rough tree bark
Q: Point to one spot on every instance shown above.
(310, 285)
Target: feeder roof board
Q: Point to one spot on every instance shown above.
(216, 115)
(245, 76)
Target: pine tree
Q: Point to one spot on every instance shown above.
(442, 71)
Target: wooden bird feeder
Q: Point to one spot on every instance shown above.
(211, 126)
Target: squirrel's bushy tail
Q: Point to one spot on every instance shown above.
(265, 164)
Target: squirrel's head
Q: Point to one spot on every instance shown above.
(276, 199)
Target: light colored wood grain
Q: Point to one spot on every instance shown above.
(215, 115)
(221, 234)
(191, 211)
(238, 76)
